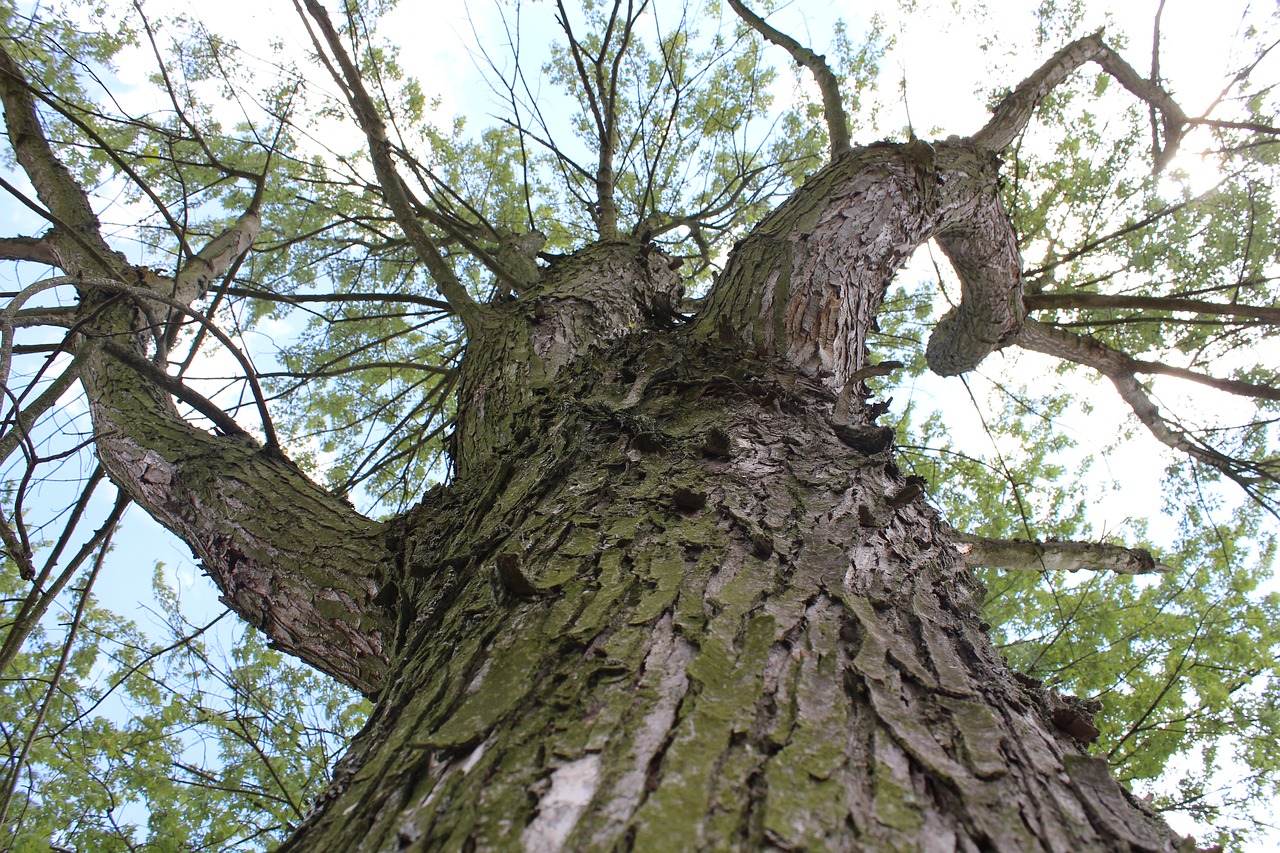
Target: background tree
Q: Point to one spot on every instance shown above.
(675, 562)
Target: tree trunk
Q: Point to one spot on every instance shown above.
(681, 598)
(705, 616)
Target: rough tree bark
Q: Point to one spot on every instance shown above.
(682, 598)
(679, 596)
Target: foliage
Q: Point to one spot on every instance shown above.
(1184, 663)
(177, 745)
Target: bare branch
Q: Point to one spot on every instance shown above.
(1054, 556)
(1013, 113)
(25, 419)
(828, 82)
(1112, 363)
(1121, 369)
(1052, 301)
(353, 296)
(1257, 127)
(1155, 80)
(602, 99)
(1129, 228)
(143, 293)
(35, 249)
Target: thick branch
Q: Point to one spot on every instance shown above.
(983, 250)
(35, 249)
(1145, 304)
(828, 83)
(292, 559)
(806, 283)
(1052, 556)
(1112, 363)
(216, 257)
(394, 191)
(1121, 369)
(151, 371)
(68, 205)
(1013, 113)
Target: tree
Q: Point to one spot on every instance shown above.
(677, 592)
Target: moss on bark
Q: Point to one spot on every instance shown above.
(657, 679)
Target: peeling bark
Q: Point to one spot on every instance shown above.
(681, 598)
(804, 284)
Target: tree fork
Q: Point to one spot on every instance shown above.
(679, 595)
(682, 597)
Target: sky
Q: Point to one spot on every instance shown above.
(949, 62)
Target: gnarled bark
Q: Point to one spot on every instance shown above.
(679, 596)
(691, 603)
(707, 616)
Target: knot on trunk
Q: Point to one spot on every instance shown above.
(662, 288)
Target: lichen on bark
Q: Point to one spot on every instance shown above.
(660, 680)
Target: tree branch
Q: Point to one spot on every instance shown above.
(1013, 113)
(1052, 301)
(350, 296)
(1121, 369)
(1054, 556)
(216, 257)
(179, 389)
(983, 250)
(1090, 352)
(35, 249)
(66, 204)
(291, 558)
(828, 83)
(392, 185)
